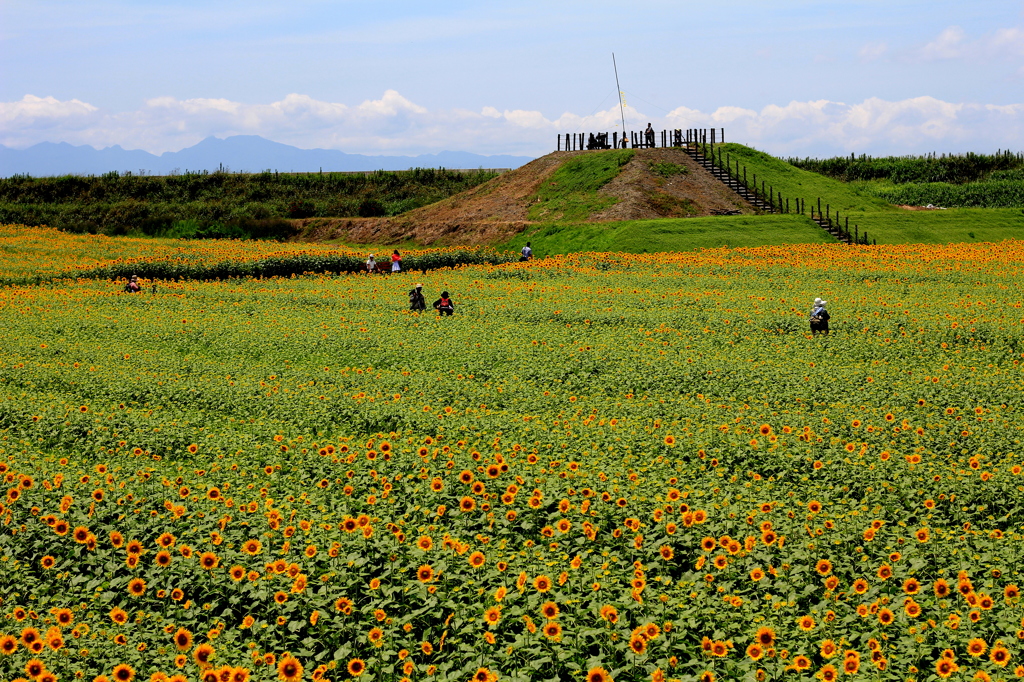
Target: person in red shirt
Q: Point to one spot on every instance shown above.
(444, 305)
(396, 262)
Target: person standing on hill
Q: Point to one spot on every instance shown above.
(819, 317)
(444, 305)
(649, 135)
(416, 300)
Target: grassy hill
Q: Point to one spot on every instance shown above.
(870, 203)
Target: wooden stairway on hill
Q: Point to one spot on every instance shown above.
(755, 198)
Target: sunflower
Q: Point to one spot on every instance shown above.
(828, 673)
(976, 647)
(118, 615)
(549, 610)
(425, 573)
(356, 667)
(542, 583)
(183, 639)
(553, 631)
(823, 567)
(707, 676)
(136, 587)
(638, 645)
(755, 651)
(765, 636)
(598, 675)
(477, 559)
(123, 673)
(999, 655)
(208, 560)
(805, 623)
(289, 669)
(8, 644)
(492, 616)
(34, 668)
(203, 654)
(252, 547)
(885, 616)
(54, 639)
(375, 635)
(945, 667)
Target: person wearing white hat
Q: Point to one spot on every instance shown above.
(416, 300)
(819, 317)
(371, 265)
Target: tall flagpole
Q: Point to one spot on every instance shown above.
(621, 112)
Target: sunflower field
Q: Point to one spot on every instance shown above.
(601, 467)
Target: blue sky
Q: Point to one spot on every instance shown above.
(804, 77)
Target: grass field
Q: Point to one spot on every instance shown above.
(671, 234)
(861, 202)
(602, 467)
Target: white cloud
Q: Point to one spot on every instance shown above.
(393, 124)
(947, 45)
(1004, 44)
(872, 51)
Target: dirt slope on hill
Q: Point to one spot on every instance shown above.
(651, 185)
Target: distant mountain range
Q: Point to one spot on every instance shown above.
(240, 153)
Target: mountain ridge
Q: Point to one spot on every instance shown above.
(238, 153)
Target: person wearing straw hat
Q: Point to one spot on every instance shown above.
(416, 300)
(819, 317)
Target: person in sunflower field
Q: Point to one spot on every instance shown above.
(416, 300)
(371, 264)
(444, 305)
(819, 317)
(396, 262)
(133, 285)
